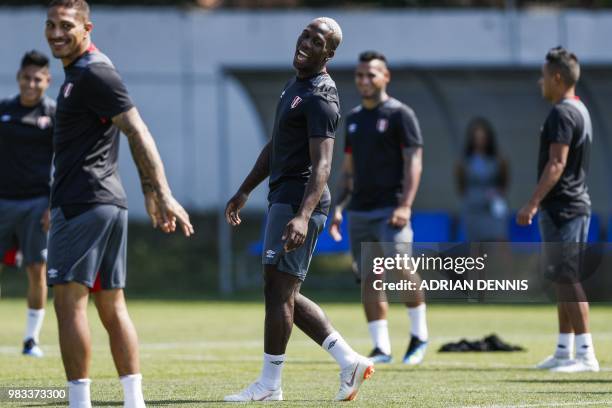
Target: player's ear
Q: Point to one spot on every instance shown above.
(330, 54)
(89, 27)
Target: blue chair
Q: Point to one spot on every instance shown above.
(518, 233)
(431, 226)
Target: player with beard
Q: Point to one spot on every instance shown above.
(88, 236)
(381, 174)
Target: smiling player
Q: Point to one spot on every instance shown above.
(298, 162)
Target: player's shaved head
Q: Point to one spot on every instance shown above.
(80, 6)
(335, 32)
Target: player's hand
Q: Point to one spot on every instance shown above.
(334, 228)
(400, 216)
(295, 233)
(233, 207)
(165, 211)
(525, 215)
(45, 221)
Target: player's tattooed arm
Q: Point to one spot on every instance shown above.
(258, 173)
(163, 209)
(413, 167)
(321, 152)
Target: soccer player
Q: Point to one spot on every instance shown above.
(380, 177)
(562, 197)
(26, 152)
(87, 240)
(298, 161)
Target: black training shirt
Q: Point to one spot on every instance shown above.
(376, 138)
(26, 148)
(85, 141)
(568, 123)
(308, 107)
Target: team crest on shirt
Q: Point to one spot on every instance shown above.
(43, 122)
(352, 128)
(382, 125)
(295, 102)
(67, 89)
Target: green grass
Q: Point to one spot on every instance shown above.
(195, 352)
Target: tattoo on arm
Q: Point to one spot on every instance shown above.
(259, 172)
(321, 152)
(144, 152)
(413, 167)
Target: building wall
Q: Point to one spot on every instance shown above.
(209, 130)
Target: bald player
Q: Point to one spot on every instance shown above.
(298, 161)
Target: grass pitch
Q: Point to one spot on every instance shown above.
(195, 352)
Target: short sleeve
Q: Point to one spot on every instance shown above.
(408, 129)
(322, 117)
(560, 126)
(108, 96)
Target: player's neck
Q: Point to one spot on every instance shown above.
(372, 103)
(311, 73)
(29, 103)
(569, 93)
(82, 50)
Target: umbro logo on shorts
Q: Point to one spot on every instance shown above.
(53, 273)
(270, 253)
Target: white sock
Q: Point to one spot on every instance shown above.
(584, 345)
(418, 322)
(132, 391)
(565, 345)
(34, 323)
(339, 349)
(272, 370)
(78, 393)
(379, 333)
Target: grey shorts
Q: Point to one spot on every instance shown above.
(563, 247)
(373, 226)
(20, 225)
(89, 248)
(297, 261)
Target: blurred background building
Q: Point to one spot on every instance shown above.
(206, 76)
